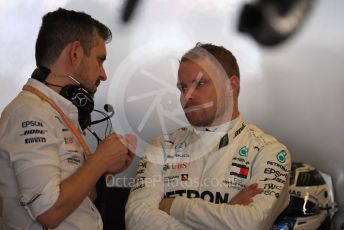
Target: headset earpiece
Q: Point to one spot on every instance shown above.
(40, 73)
(78, 95)
(82, 99)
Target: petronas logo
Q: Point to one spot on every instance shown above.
(281, 156)
(243, 151)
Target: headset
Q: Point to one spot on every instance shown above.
(79, 96)
(109, 109)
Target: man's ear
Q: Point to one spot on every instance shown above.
(233, 85)
(76, 53)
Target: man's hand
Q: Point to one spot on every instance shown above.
(244, 197)
(116, 153)
(165, 205)
(131, 143)
(93, 194)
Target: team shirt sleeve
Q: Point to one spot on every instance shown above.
(32, 146)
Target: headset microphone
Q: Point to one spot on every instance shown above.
(108, 108)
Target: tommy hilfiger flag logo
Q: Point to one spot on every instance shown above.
(239, 170)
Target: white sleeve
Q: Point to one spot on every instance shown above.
(33, 149)
(142, 209)
(270, 174)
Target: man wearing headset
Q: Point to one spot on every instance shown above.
(218, 173)
(47, 171)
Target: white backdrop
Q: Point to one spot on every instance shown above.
(293, 92)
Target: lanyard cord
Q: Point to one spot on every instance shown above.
(74, 130)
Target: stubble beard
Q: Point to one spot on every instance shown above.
(201, 120)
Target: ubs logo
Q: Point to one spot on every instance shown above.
(179, 165)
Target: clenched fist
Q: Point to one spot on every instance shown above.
(116, 152)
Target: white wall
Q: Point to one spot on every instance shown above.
(293, 92)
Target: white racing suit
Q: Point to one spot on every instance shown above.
(203, 170)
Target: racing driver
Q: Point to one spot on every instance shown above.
(218, 173)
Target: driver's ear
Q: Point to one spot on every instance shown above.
(233, 85)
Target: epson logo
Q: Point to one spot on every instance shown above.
(275, 172)
(31, 123)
